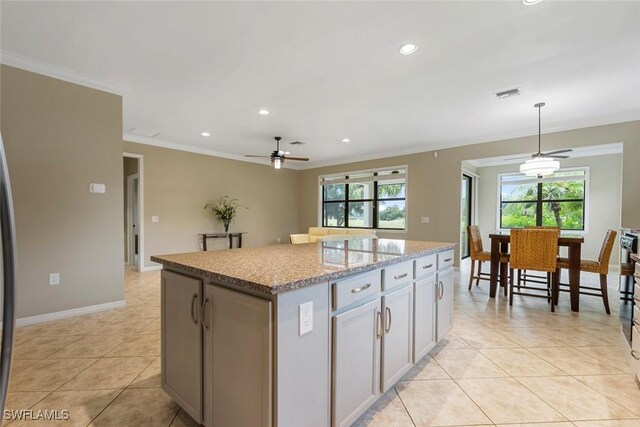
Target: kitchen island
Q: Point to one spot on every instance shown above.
(299, 335)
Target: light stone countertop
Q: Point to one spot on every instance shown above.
(280, 268)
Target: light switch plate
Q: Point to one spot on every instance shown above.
(97, 188)
(424, 220)
(155, 219)
(305, 318)
(54, 279)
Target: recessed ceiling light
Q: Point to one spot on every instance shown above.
(263, 112)
(205, 134)
(346, 140)
(408, 49)
(530, 2)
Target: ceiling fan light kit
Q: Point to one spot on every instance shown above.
(279, 156)
(542, 164)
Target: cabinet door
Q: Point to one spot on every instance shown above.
(238, 358)
(444, 303)
(424, 317)
(397, 342)
(181, 370)
(356, 361)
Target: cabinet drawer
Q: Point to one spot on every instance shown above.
(351, 289)
(397, 274)
(425, 266)
(445, 259)
(636, 315)
(638, 268)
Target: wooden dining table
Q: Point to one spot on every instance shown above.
(500, 244)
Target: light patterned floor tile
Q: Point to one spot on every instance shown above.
(82, 407)
(468, 363)
(388, 411)
(109, 373)
(137, 345)
(23, 399)
(42, 346)
(89, 346)
(574, 362)
(609, 423)
(48, 374)
(501, 400)
(148, 407)
(575, 400)
(622, 389)
(530, 337)
(520, 362)
(150, 377)
(439, 403)
(426, 369)
(183, 419)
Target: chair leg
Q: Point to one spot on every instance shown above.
(555, 286)
(479, 272)
(519, 278)
(511, 292)
(473, 265)
(605, 295)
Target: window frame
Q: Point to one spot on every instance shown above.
(540, 202)
(375, 200)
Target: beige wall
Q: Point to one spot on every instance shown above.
(434, 183)
(605, 173)
(59, 138)
(178, 184)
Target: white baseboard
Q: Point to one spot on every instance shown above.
(146, 268)
(24, 321)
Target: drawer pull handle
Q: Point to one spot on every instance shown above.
(424, 267)
(636, 299)
(357, 290)
(636, 275)
(447, 260)
(635, 355)
(635, 322)
(379, 324)
(400, 276)
(388, 328)
(441, 290)
(194, 313)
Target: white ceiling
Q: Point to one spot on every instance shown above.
(331, 70)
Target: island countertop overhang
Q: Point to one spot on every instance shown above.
(280, 268)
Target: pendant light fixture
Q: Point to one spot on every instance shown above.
(539, 165)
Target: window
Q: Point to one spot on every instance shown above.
(372, 199)
(558, 200)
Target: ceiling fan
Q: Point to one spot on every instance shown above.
(279, 156)
(541, 164)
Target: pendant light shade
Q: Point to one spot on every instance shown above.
(539, 166)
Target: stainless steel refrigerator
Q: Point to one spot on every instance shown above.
(8, 230)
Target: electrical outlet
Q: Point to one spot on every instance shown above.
(424, 220)
(155, 219)
(305, 318)
(279, 240)
(54, 279)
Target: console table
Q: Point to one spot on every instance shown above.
(229, 236)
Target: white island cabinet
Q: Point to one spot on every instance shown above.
(299, 335)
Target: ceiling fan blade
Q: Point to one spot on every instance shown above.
(301, 159)
(557, 157)
(550, 153)
(252, 155)
(518, 158)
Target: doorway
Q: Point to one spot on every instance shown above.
(466, 214)
(133, 211)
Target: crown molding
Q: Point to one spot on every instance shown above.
(61, 73)
(163, 143)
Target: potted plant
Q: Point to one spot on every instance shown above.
(225, 209)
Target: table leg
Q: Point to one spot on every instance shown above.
(204, 242)
(239, 240)
(230, 241)
(504, 268)
(574, 275)
(495, 264)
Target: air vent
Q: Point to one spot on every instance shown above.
(144, 132)
(508, 93)
(297, 143)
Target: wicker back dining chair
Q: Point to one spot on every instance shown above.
(537, 250)
(601, 267)
(479, 255)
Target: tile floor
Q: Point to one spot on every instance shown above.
(520, 366)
